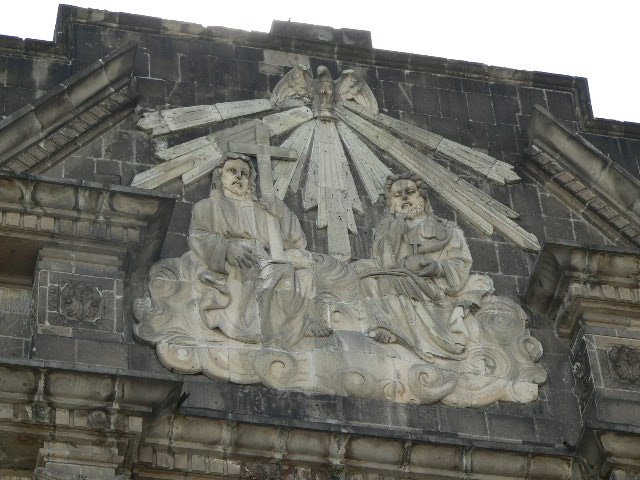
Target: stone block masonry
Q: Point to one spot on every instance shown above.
(65, 395)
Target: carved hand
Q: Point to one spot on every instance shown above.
(298, 258)
(273, 206)
(422, 266)
(241, 256)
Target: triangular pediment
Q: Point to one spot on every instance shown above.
(604, 193)
(69, 116)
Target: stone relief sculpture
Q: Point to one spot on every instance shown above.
(625, 362)
(411, 324)
(337, 132)
(417, 288)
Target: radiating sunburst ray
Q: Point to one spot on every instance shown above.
(326, 137)
(184, 118)
(487, 166)
(283, 172)
(478, 208)
(371, 170)
(296, 179)
(283, 122)
(337, 196)
(243, 133)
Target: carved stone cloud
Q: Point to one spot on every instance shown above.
(411, 324)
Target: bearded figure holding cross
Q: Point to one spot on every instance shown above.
(251, 296)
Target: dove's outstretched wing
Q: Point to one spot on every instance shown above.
(350, 86)
(294, 89)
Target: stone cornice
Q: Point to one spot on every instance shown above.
(138, 411)
(81, 414)
(354, 51)
(113, 220)
(604, 189)
(206, 446)
(31, 47)
(574, 284)
(70, 115)
(69, 386)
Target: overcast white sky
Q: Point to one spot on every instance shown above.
(594, 39)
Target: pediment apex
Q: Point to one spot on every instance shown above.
(321, 33)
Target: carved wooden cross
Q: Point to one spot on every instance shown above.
(263, 151)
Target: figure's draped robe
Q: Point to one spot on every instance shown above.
(424, 313)
(265, 304)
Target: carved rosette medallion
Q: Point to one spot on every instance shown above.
(625, 362)
(80, 302)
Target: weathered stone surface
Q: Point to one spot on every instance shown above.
(488, 109)
(587, 174)
(397, 326)
(625, 361)
(329, 178)
(575, 285)
(69, 214)
(69, 116)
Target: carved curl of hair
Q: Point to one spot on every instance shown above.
(216, 177)
(421, 184)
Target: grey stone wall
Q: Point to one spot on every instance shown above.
(483, 107)
(15, 322)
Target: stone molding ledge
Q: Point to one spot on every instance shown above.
(605, 192)
(68, 419)
(575, 285)
(76, 215)
(615, 456)
(70, 115)
(194, 445)
(56, 385)
(132, 418)
(591, 295)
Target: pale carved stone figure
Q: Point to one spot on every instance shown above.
(229, 236)
(417, 288)
(411, 324)
(238, 288)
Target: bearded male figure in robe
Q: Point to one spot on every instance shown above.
(417, 288)
(228, 275)
(254, 298)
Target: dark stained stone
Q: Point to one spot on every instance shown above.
(454, 105)
(425, 100)
(480, 108)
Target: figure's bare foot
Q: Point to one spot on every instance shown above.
(382, 335)
(318, 329)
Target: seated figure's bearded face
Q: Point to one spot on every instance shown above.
(235, 178)
(406, 200)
